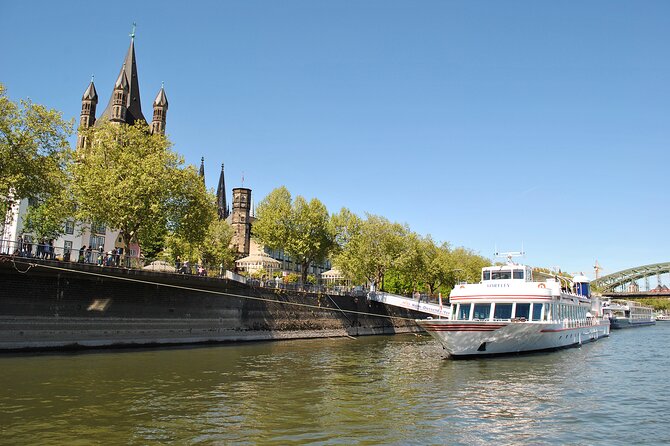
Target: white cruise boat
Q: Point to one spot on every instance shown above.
(508, 312)
(628, 314)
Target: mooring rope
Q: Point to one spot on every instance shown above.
(221, 293)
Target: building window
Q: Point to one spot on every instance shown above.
(67, 250)
(69, 227)
(97, 228)
(97, 241)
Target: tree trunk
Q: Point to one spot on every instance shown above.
(304, 266)
(126, 249)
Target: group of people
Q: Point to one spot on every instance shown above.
(99, 256)
(185, 267)
(45, 248)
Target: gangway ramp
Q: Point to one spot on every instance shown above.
(443, 311)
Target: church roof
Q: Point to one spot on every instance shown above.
(133, 104)
(161, 99)
(122, 80)
(90, 94)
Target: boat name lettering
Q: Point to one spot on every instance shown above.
(497, 285)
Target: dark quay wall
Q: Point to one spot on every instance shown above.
(57, 305)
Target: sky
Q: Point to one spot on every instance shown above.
(493, 125)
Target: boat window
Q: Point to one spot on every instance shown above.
(502, 311)
(517, 274)
(463, 312)
(487, 275)
(481, 311)
(522, 310)
(503, 274)
(537, 312)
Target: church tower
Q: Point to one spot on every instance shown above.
(202, 169)
(240, 220)
(119, 98)
(89, 101)
(222, 206)
(160, 113)
(130, 102)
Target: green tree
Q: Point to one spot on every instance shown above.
(34, 150)
(438, 266)
(46, 217)
(129, 179)
(467, 265)
(407, 275)
(299, 227)
(344, 226)
(216, 249)
(373, 250)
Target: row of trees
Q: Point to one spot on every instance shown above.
(129, 179)
(124, 177)
(371, 249)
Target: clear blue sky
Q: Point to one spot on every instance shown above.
(482, 123)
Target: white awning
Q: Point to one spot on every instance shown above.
(333, 274)
(258, 261)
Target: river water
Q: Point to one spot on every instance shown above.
(370, 390)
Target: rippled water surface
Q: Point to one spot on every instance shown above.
(374, 390)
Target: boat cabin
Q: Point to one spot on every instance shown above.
(507, 272)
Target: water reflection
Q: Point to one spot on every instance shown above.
(376, 390)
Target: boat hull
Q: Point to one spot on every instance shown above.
(620, 323)
(468, 339)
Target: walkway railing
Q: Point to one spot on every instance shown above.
(114, 259)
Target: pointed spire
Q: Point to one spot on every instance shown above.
(90, 94)
(160, 112)
(202, 168)
(222, 207)
(133, 103)
(161, 98)
(122, 80)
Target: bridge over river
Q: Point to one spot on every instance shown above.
(626, 283)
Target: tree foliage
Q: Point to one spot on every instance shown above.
(33, 148)
(373, 247)
(377, 250)
(46, 217)
(129, 179)
(301, 228)
(216, 249)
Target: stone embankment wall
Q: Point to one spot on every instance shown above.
(42, 307)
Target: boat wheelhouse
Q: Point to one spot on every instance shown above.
(509, 312)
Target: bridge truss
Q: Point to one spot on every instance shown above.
(620, 279)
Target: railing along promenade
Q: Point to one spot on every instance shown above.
(49, 254)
